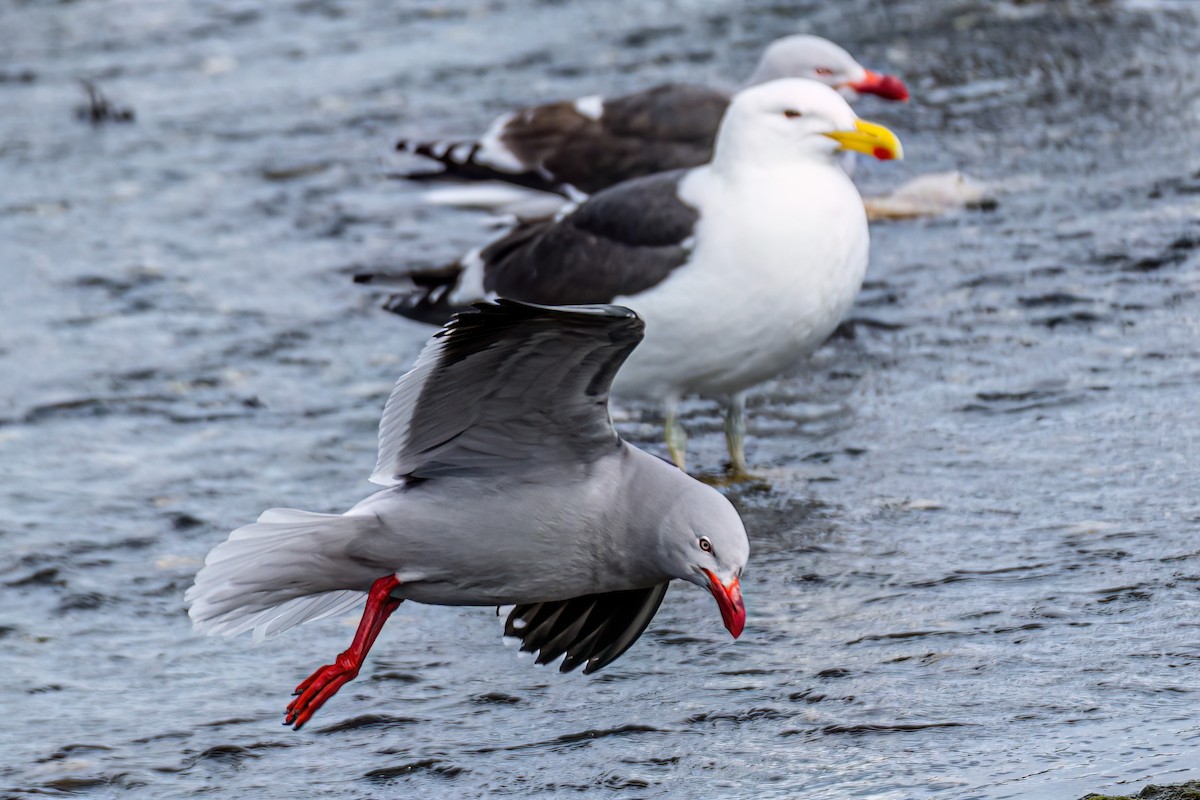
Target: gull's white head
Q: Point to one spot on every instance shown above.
(796, 120)
(821, 60)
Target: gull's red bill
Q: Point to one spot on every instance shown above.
(889, 87)
(729, 600)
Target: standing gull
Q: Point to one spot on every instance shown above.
(585, 145)
(506, 484)
(740, 267)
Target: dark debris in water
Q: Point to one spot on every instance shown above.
(98, 109)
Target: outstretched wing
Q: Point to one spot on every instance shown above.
(504, 385)
(594, 629)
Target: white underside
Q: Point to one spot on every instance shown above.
(780, 256)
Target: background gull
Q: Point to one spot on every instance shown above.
(740, 267)
(581, 146)
(506, 484)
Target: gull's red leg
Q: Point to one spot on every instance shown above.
(324, 683)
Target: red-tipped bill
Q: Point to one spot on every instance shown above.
(888, 87)
(729, 600)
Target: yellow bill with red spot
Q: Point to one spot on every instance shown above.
(870, 138)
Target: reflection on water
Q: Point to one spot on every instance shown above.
(976, 573)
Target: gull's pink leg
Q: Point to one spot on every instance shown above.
(324, 683)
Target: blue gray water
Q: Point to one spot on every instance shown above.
(976, 573)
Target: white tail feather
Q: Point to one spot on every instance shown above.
(281, 571)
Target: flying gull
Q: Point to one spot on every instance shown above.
(740, 267)
(505, 484)
(574, 148)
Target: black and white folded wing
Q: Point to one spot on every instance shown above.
(585, 145)
(618, 243)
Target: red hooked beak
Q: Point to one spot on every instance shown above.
(889, 87)
(729, 600)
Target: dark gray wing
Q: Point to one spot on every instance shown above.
(556, 147)
(618, 243)
(668, 127)
(507, 384)
(595, 628)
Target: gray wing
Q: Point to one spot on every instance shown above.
(594, 628)
(618, 243)
(555, 146)
(507, 384)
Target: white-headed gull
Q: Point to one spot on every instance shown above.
(740, 267)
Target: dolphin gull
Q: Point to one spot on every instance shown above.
(740, 267)
(506, 484)
(585, 145)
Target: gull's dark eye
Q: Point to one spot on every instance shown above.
(823, 71)
(705, 544)
(792, 113)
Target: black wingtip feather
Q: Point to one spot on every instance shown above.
(487, 323)
(592, 630)
(423, 295)
(459, 163)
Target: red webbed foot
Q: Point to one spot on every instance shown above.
(317, 688)
(323, 684)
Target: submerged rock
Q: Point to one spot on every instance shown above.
(1189, 790)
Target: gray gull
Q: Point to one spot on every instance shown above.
(505, 484)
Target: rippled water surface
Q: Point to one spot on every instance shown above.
(977, 570)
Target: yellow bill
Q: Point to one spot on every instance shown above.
(874, 140)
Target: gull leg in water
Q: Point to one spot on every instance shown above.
(735, 443)
(735, 435)
(675, 434)
(325, 682)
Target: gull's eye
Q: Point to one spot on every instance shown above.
(823, 71)
(705, 544)
(792, 113)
